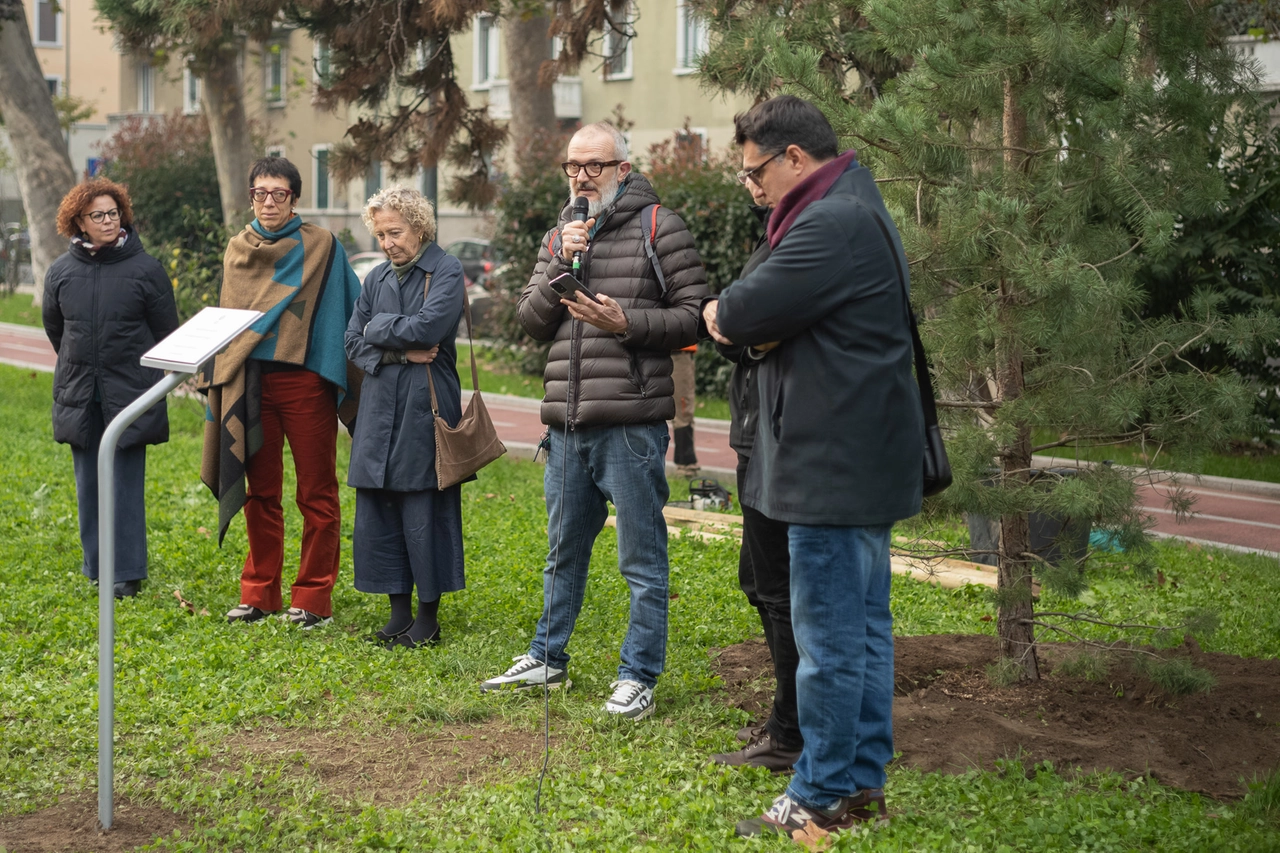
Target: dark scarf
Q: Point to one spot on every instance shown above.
(804, 193)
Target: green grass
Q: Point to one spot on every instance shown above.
(1258, 463)
(17, 308)
(190, 687)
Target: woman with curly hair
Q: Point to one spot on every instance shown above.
(106, 302)
(408, 531)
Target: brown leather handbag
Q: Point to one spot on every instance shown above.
(463, 450)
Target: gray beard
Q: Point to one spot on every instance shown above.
(607, 193)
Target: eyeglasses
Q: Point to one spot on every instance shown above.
(593, 169)
(98, 215)
(259, 195)
(753, 175)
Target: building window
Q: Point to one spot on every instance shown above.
(692, 37)
(146, 88)
(322, 62)
(617, 41)
(486, 51)
(55, 85)
(320, 155)
(273, 84)
(372, 180)
(48, 24)
(190, 93)
(691, 142)
(275, 151)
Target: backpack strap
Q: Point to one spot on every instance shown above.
(649, 226)
(553, 242)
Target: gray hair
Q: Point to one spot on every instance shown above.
(604, 128)
(409, 203)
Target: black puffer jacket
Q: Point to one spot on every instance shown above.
(594, 378)
(102, 312)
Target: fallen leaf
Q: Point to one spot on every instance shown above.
(204, 531)
(986, 618)
(183, 603)
(674, 596)
(490, 495)
(513, 498)
(1159, 577)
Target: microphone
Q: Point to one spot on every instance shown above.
(580, 207)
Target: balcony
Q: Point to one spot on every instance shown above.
(566, 90)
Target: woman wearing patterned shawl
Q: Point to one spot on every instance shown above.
(106, 302)
(408, 531)
(284, 378)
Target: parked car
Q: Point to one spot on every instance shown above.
(362, 262)
(477, 256)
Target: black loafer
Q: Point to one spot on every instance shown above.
(127, 589)
(404, 641)
(381, 637)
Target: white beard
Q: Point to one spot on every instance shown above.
(607, 193)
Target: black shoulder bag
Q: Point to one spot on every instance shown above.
(937, 468)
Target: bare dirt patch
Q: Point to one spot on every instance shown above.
(948, 717)
(71, 826)
(391, 767)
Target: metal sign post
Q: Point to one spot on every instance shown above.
(183, 352)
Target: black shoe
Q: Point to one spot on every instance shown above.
(404, 641)
(746, 734)
(381, 637)
(763, 751)
(127, 589)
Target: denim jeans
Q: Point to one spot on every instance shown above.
(131, 510)
(844, 631)
(627, 466)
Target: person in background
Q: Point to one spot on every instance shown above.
(106, 302)
(686, 397)
(408, 531)
(286, 378)
(764, 564)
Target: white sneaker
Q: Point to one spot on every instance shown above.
(527, 674)
(305, 619)
(630, 699)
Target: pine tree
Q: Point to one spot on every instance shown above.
(1035, 153)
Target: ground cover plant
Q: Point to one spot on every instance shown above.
(258, 737)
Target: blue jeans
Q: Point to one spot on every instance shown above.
(844, 684)
(626, 465)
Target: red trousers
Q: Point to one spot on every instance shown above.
(300, 406)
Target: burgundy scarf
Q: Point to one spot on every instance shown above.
(802, 194)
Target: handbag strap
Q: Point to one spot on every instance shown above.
(923, 379)
(471, 347)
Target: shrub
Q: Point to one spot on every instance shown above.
(167, 164)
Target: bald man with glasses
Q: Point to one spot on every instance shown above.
(609, 395)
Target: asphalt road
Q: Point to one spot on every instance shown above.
(1238, 514)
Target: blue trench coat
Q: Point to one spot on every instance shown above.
(394, 446)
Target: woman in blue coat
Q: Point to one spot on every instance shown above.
(408, 532)
(106, 302)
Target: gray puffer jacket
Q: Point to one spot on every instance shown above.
(594, 378)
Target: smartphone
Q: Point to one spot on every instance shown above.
(566, 285)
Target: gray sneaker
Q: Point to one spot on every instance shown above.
(630, 699)
(528, 673)
(245, 613)
(305, 619)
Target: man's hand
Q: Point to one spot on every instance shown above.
(573, 237)
(709, 312)
(606, 316)
(421, 356)
(765, 347)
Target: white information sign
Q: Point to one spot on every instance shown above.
(199, 339)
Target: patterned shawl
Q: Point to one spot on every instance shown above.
(300, 279)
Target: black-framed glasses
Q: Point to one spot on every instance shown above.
(593, 169)
(259, 195)
(96, 216)
(753, 174)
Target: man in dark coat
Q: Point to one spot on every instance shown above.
(608, 398)
(839, 447)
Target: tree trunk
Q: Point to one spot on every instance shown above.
(533, 107)
(222, 96)
(44, 168)
(1013, 623)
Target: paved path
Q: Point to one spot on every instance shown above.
(1238, 514)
